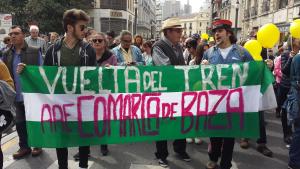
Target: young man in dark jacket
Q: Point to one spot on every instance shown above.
(72, 51)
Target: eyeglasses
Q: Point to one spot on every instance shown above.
(14, 33)
(97, 40)
(126, 41)
(82, 27)
(177, 30)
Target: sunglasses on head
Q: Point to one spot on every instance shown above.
(97, 40)
(82, 27)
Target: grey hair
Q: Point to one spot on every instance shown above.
(34, 27)
(124, 33)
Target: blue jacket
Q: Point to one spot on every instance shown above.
(235, 55)
(136, 54)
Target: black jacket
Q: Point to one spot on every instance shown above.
(286, 61)
(87, 54)
(30, 56)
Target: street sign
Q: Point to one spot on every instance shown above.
(5, 24)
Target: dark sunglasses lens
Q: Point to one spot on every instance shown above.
(83, 27)
(97, 40)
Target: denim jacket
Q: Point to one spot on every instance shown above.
(292, 103)
(235, 55)
(135, 53)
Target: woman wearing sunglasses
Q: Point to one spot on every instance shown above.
(103, 55)
(104, 58)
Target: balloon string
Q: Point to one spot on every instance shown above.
(268, 53)
(292, 44)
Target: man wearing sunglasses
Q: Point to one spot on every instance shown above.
(128, 54)
(21, 53)
(168, 51)
(72, 51)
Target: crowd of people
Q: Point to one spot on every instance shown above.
(83, 46)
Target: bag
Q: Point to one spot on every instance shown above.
(6, 120)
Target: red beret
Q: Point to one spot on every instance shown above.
(222, 23)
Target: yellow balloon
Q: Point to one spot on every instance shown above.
(295, 29)
(297, 21)
(204, 36)
(268, 35)
(254, 48)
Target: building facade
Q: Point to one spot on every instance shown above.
(187, 8)
(260, 12)
(231, 10)
(193, 23)
(158, 14)
(115, 15)
(146, 18)
(171, 8)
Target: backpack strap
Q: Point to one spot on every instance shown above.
(241, 52)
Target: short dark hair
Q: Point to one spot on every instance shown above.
(192, 44)
(72, 16)
(111, 34)
(20, 27)
(148, 43)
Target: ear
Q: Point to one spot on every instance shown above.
(229, 33)
(70, 28)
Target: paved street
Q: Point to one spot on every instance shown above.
(141, 155)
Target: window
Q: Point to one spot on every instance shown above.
(265, 6)
(200, 24)
(114, 4)
(282, 4)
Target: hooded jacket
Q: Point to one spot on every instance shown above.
(86, 52)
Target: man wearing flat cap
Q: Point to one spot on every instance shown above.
(168, 51)
(226, 51)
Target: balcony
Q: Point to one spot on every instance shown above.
(225, 4)
(253, 11)
(246, 13)
(265, 7)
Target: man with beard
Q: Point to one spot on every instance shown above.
(72, 51)
(226, 51)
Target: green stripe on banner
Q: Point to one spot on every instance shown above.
(68, 93)
(82, 80)
(68, 134)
